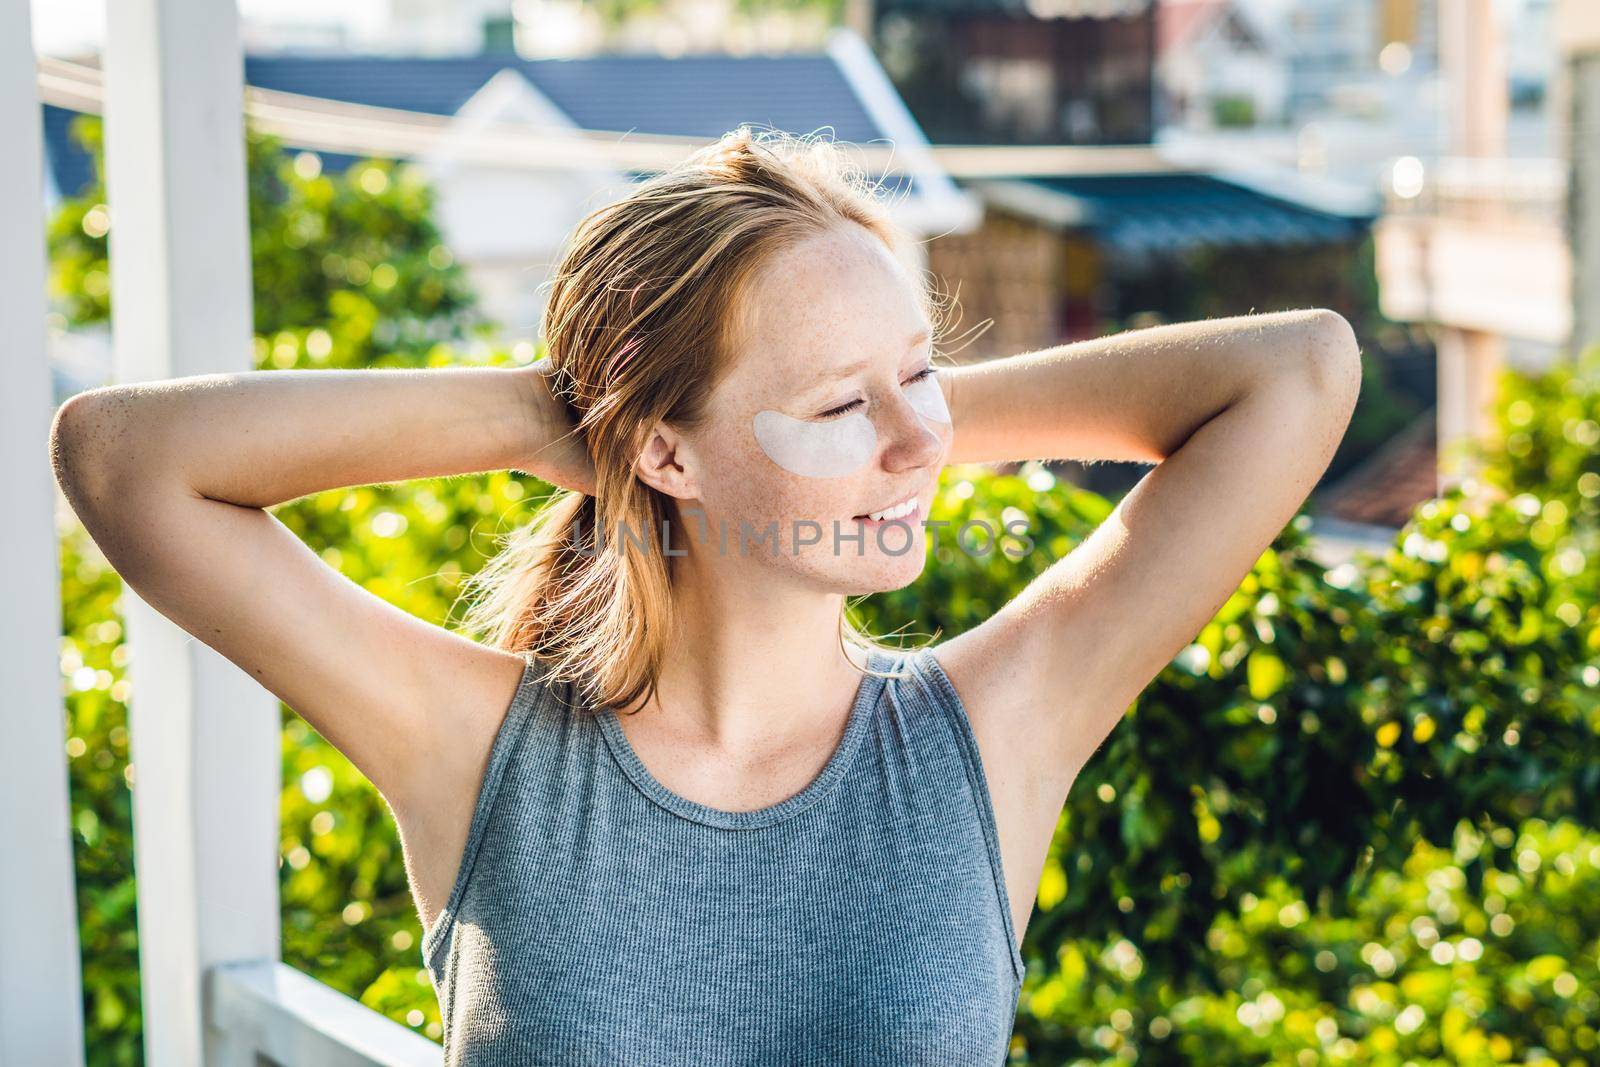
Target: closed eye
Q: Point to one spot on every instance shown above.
(842, 409)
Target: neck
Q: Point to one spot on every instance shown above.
(753, 662)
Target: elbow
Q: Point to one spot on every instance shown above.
(1333, 357)
(83, 440)
(67, 433)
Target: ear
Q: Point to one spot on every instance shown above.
(667, 463)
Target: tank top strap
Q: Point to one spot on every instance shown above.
(927, 687)
(536, 696)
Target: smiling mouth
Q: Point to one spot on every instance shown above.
(906, 509)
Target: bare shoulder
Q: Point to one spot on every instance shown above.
(989, 671)
(1050, 675)
(1002, 711)
(470, 688)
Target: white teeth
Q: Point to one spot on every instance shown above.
(905, 507)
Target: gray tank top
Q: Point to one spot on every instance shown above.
(600, 918)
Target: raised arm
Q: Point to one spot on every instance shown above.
(1242, 416)
(171, 479)
(1134, 396)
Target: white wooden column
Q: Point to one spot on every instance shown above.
(41, 1015)
(1578, 38)
(204, 735)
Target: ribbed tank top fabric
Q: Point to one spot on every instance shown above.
(600, 918)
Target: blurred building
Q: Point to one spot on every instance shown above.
(1220, 63)
(1473, 243)
(1032, 260)
(1362, 86)
(1064, 256)
(1067, 257)
(449, 27)
(506, 223)
(1579, 41)
(1019, 71)
(550, 29)
(1337, 47)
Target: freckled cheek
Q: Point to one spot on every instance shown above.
(736, 479)
(822, 499)
(746, 483)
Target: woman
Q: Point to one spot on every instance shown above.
(677, 808)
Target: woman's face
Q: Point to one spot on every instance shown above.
(831, 412)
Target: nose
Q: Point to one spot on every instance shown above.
(912, 440)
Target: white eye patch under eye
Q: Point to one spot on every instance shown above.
(816, 449)
(927, 399)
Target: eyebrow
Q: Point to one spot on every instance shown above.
(832, 374)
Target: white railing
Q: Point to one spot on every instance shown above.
(270, 1010)
(204, 735)
(1478, 244)
(40, 995)
(1523, 189)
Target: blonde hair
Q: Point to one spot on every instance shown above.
(645, 307)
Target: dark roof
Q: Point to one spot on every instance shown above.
(69, 165)
(702, 96)
(1172, 211)
(1388, 485)
(688, 96)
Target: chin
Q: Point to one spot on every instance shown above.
(879, 573)
(844, 566)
